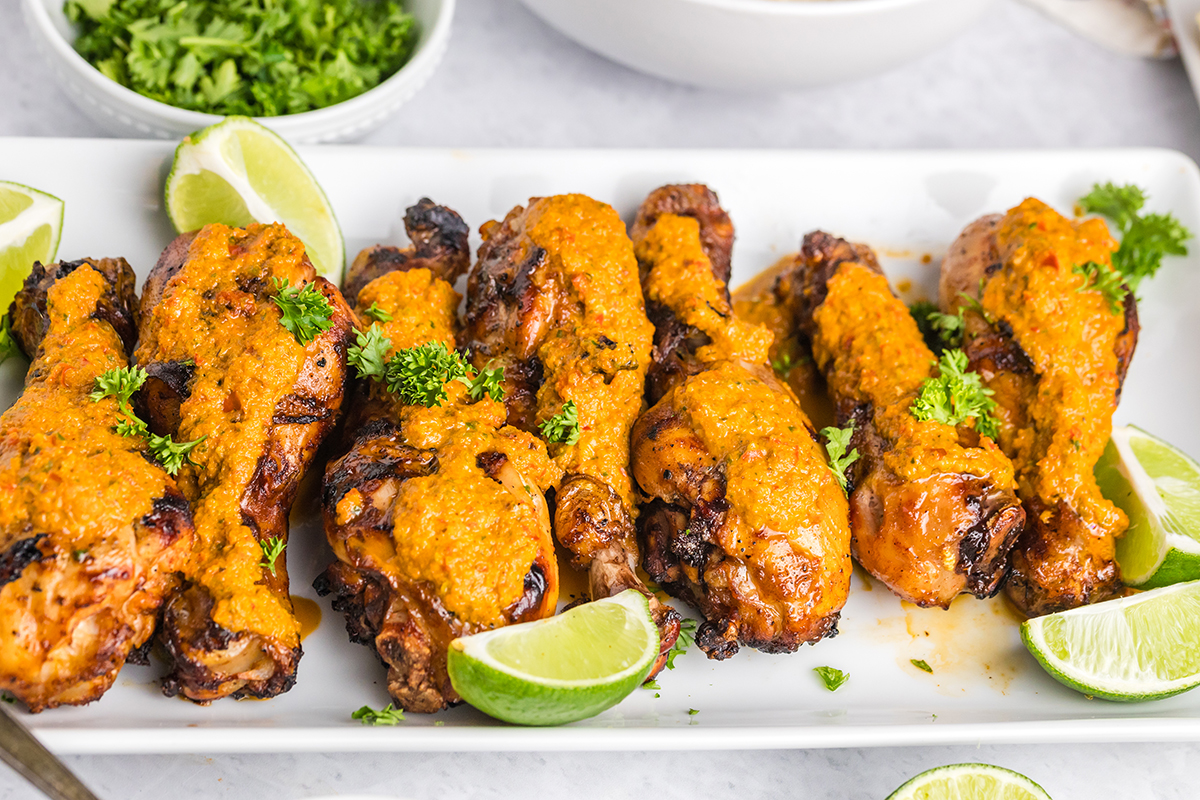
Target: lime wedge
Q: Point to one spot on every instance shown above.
(238, 172)
(30, 225)
(561, 669)
(1158, 487)
(970, 782)
(1142, 647)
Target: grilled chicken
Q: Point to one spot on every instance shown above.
(436, 515)
(222, 366)
(932, 507)
(554, 299)
(1055, 354)
(93, 533)
(747, 522)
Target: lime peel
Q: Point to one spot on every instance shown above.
(31, 234)
(957, 781)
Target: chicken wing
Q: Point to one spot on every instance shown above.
(932, 507)
(436, 515)
(223, 366)
(747, 523)
(1055, 353)
(93, 533)
(554, 299)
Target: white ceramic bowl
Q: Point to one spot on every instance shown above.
(759, 45)
(124, 112)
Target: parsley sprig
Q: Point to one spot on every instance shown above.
(563, 427)
(384, 716)
(420, 374)
(271, 549)
(1145, 238)
(955, 396)
(305, 310)
(1104, 280)
(121, 384)
(941, 331)
(837, 440)
(368, 355)
(378, 314)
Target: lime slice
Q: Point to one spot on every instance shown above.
(1158, 487)
(970, 782)
(30, 224)
(237, 172)
(561, 669)
(1142, 647)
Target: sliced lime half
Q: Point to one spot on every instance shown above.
(561, 669)
(30, 226)
(1142, 647)
(238, 172)
(970, 782)
(1158, 487)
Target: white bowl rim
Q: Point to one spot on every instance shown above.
(808, 8)
(428, 50)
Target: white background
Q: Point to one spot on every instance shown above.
(1013, 81)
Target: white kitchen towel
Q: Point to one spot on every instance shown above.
(1134, 27)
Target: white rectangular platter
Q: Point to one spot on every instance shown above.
(909, 206)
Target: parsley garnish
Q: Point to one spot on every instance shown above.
(836, 442)
(489, 381)
(172, 454)
(921, 664)
(1145, 239)
(1103, 280)
(378, 314)
(8, 345)
(305, 310)
(250, 57)
(121, 384)
(956, 396)
(940, 330)
(385, 716)
(687, 637)
(562, 427)
(832, 678)
(369, 355)
(271, 549)
(420, 374)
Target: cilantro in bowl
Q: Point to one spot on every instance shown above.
(259, 58)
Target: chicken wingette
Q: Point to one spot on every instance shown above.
(1054, 349)
(932, 505)
(748, 523)
(93, 532)
(554, 299)
(436, 514)
(245, 348)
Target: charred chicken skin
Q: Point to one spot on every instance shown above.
(93, 533)
(1055, 353)
(554, 299)
(747, 522)
(223, 367)
(436, 515)
(932, 506)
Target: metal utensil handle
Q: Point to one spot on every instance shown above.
(25, 754)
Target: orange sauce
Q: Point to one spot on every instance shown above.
(308, 613)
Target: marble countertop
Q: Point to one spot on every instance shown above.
(1014, 80)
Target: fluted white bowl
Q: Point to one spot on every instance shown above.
(124, 112)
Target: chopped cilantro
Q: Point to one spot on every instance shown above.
(420, 374)
(687, 637)
(369, 355)
(651, 685)
(249, 57)
(305, 311)
(921, 664)
(562, 427)
(692, 712)
(836, 442)
(832, 678)
(271, 549)
(378, 314)
(8, 345)
(955, 396)
(1104, 280)
(385, 716)
(1145, 239)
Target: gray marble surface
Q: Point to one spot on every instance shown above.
(1015, 80)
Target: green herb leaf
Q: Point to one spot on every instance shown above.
(955, 396)
(1121, 204)
(831, 677)
(420, 374)
(369, 355)
(687, 637)
(79, 555)
(305, 310)
(692, 712)
(1145, 239)
(651, 685)
(836, 442)
(562, 427)
(130, 425)
(119, 383)
(1103, 280)
(378, 314)
(489, 381)
(941, 331)
(8, 345)
(385, 716)
(172, 454)
(271, 549)
(921, 665)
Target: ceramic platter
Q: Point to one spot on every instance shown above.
(909, 206)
